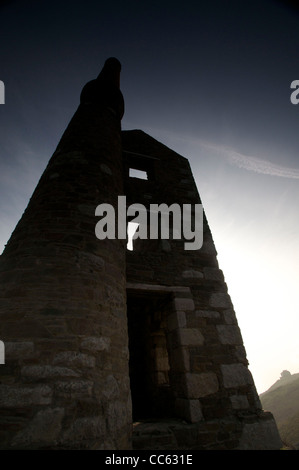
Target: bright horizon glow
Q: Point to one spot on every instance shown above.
(263, 314)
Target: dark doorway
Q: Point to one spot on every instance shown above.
(149, 362)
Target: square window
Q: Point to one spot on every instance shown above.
(139, 166)
(140, 174)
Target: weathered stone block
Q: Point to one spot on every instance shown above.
(261, 435)
(190, 410)
(88, 260)
(229, 334)
(207, 314)
(47, 371)
(180, 360)
(239, 402)
(105, 169)
(84, 429)
(241, 354)
(18, 350)
(86, 209)
(192, 274)
(213, 274)
(235, 375)
(201, 385)
(117, 415)
(74, 389)
(183, 304)
(220, 300)
(208, 248)
(95, 344)
(74, 359)
(110, 388)
(43, 429)
(17, 397)
(229, 316)
(190, 337)
(176, 320)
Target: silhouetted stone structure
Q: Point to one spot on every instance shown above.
(97, 336)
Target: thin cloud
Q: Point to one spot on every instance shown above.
(250, 163)
(237, 159)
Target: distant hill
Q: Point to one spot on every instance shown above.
(289, 432)
(282, 399)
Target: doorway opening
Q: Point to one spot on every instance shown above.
(151, 391)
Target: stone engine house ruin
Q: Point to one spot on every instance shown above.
(98, 336)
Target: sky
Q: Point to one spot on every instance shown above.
(209, 79)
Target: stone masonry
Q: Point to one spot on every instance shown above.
(208, 381)
(97, 336)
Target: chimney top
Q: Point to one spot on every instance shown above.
(111, 72)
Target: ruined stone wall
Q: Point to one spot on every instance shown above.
(66, 382)
(209, 372)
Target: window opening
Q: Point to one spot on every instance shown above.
(140, 174)
(132, 228)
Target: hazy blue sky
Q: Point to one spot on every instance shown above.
(209, 79)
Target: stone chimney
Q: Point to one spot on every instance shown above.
(65, 383)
